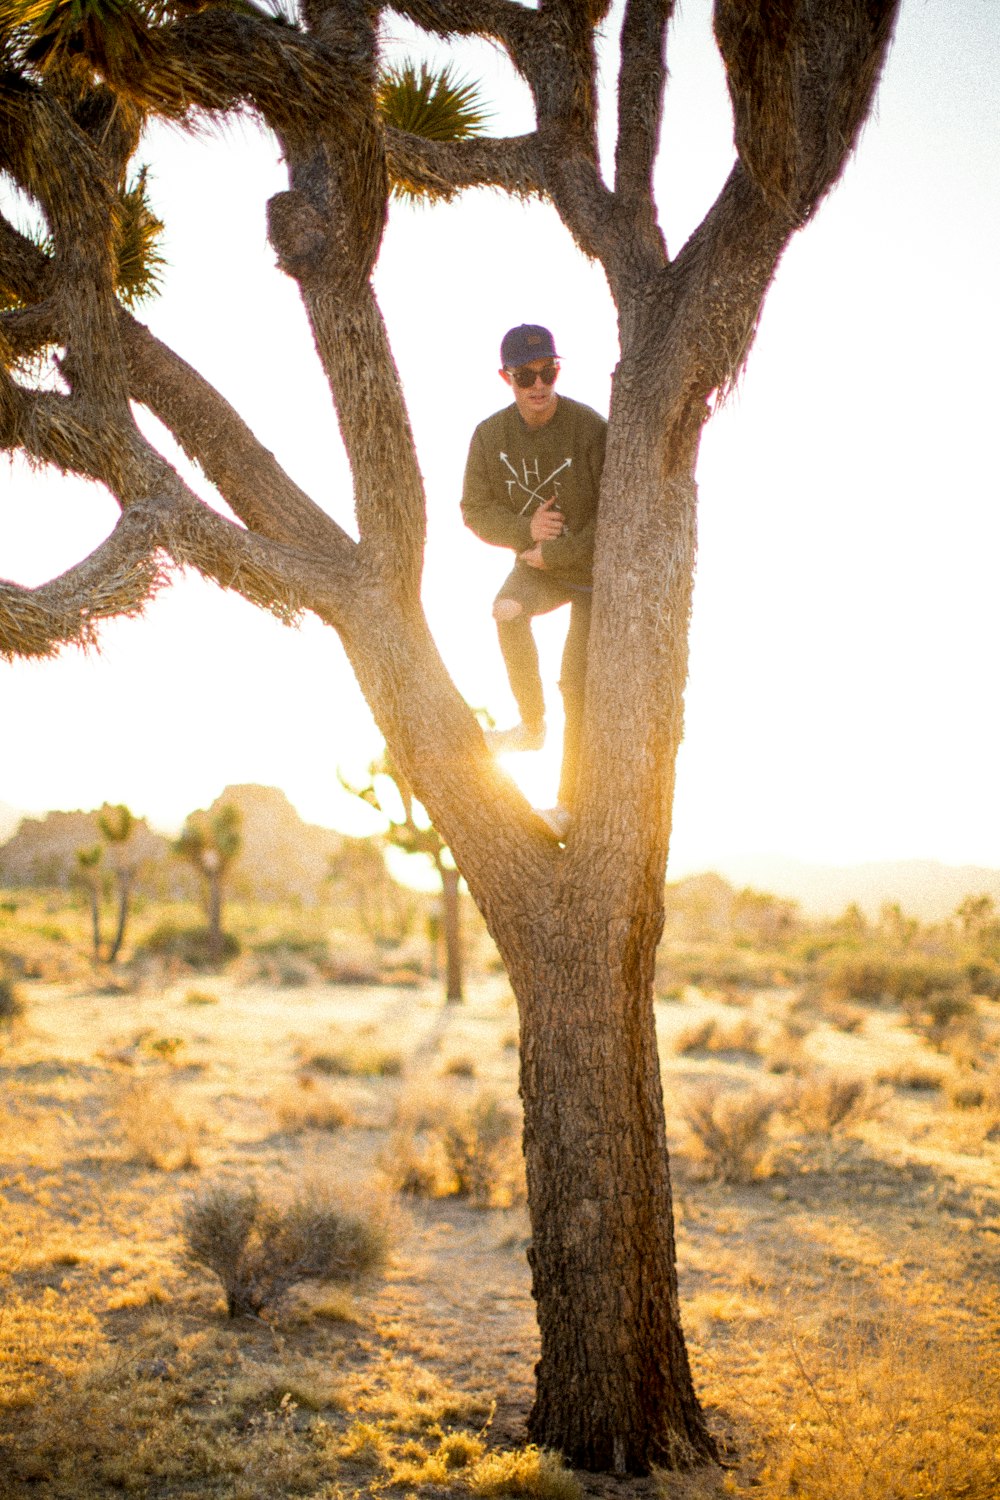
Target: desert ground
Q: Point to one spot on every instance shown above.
(835, 1167)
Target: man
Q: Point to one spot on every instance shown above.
(532, 483)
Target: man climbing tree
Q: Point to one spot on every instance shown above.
(577, 927)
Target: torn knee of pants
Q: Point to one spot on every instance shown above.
(506, 609)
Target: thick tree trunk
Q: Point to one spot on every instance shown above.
(215, 947)
(614, 1388)
(95, 921)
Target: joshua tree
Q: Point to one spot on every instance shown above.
(577, 926)
(89, 875)
(117, 826)
(211, 841)
(414, 835)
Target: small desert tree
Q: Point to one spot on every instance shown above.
(577, 926)
(210, 841)
(409, 830)
(88, 874)
(117, 826)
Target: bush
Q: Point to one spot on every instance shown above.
(825, 1101)
(440, 1149)
(730, 1129)
(188, 945)
(941, 1017)
(709, 1036)
(873, 976)
(154, 1133)
(482, 1145)
(11, 1001)
(358, 1058)
(260, 1250)
(307, 1107)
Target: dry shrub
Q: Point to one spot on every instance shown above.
(710, 1036)
(483, 1146)
(453, 1458)
(967, 1092)
(843, 1017)
(11, 1001)
(123, 1423)
(443, 1149)
(154, 1132)
(943, 1017)
(695, 1038)
(459, 1067)
(201, 997)
(305, 1106)
(912, 1076)
(358, 1058)
(879, 1410)
(730, 1130)
(823, 1102)
(741, 1036)
(260, 1249)
(524, 1471)
(786, 1052)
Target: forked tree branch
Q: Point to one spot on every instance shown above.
(801, 75)
(246, 474)
(214, 435)
(121, 575)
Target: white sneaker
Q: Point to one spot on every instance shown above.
(518, 737)
(558, 820)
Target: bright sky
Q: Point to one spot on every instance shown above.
(841, 703)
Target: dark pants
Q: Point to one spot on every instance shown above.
(538, 594)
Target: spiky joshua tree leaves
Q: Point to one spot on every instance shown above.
(577, 926)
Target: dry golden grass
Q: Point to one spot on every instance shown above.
(869, 1408)
(730, 1130)
(711, 1035)
(154, 1132)
(304, 1105)
(120, 1374)
(442, 1147)
(825, 1102)
(360, 1057)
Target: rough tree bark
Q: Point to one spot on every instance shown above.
(577, 927)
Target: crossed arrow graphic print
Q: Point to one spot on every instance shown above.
(532, 484)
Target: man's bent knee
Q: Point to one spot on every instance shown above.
(506, 609)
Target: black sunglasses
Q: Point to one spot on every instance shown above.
(524, 378)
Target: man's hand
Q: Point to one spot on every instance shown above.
(546, 523)
(533, 558)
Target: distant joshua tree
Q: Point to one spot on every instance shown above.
(117, 826)
(416, 836)
(89, 875)
(211, 841)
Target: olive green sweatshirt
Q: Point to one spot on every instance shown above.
(513, 468)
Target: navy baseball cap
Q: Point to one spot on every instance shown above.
(523, 344)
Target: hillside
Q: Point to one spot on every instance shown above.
(42, 851)
(924, 888)
(281, 855)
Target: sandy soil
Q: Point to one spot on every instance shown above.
(903, 1207)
